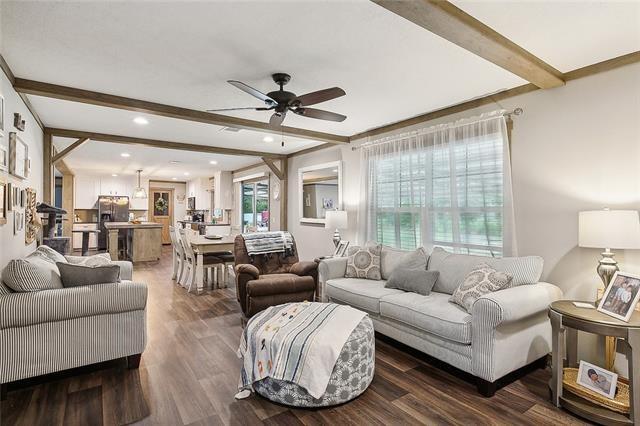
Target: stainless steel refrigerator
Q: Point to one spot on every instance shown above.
(110, 209)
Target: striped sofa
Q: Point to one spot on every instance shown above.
(504, 331)
(47, 331)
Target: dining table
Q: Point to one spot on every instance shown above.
(202, 245)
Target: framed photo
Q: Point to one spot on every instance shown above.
(4, 157)
(18, 222)
(23, 198)
(341, 248)
(8, 190)
(621, 296)
(597, 379)
(1, 113)
(18, 156)
(3, 202)
(327, 203)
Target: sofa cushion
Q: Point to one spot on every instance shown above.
(51, 254)
(363, 262)
(95, 260)
(433, 314)
(35, 274)
(391, 258)
(482, 280)
(359, 292)
(454, 268)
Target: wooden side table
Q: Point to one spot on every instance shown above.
(566, 320)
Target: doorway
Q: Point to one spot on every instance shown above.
(255, 206)
(161, 210)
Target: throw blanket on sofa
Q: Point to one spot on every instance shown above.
(267, 242)
(296, 342)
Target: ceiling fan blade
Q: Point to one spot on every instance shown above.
(277, 118)
(253, 92)
(319, 96)
(319, 114)
(238, 109)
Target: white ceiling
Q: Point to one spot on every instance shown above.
(182, 53)
(103, 158)
(565, 34)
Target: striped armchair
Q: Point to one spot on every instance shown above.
(47, 331)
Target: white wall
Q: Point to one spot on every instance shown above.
(11, 246)
(575, 148)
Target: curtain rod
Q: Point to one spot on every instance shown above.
(516, 111)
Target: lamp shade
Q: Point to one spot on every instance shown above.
(612, 229)
(336, 219)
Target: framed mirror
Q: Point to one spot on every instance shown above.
(319, 190)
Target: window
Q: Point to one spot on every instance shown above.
(255, 206)
(439, 191)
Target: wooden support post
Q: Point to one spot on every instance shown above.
(284, 193)
(47, 169)
(67, 203)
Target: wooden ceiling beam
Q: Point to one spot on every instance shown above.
(112, 101)
(102, 137)
(453, 24)
(276, 171)
(67, 150)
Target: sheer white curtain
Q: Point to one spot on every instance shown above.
(447, 185)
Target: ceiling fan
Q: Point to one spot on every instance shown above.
(281, 101)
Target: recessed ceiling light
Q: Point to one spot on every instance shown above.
(173, 162)
(114, 175)
(186, 173)
(174, 178)
(213, 162)
(141, 120)
(267, 139)
(335, 170)
(125, 154)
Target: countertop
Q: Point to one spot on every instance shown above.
(203, 223)
(129, 225)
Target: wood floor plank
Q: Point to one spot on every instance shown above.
(189, 376)
(84, 407)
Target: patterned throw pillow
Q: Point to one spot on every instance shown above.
(364, 262)
(483, 279)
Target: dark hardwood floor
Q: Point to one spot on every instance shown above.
(189, 374)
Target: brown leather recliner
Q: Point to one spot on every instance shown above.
(272, 279)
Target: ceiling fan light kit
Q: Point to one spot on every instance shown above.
(281, 101)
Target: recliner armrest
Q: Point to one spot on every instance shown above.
(270, 287)
(248, 269)
(303, 268)
(513, 304)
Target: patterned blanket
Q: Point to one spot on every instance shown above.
(267, 242)
(296, 342)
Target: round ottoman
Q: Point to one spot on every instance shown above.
(351, 375)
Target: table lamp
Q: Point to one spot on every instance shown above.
(609, 229)
(336, 219)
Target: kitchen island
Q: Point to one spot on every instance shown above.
(142, 241)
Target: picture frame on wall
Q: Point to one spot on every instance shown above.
(621, 296)
(8, 196)
(3, 202)
(18, 156)
(1, 114)
(4, 157)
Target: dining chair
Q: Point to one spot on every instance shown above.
(178, 254)
(209, 262)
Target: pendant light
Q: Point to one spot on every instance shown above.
(139, 191)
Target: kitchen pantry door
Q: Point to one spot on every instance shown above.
(162, 211)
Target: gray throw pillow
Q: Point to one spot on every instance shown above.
(418, 281)
(37, 274)
(483, 279)
(364, 262)
(95, 260)
(392, 258)
(80, 275)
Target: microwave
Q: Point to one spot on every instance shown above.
(191, 203)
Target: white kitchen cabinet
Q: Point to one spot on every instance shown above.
(86, 192)
(200, 188)
(114, 186)
(223, 188)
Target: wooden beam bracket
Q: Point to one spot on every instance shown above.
(269, 162)
(68, 150)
